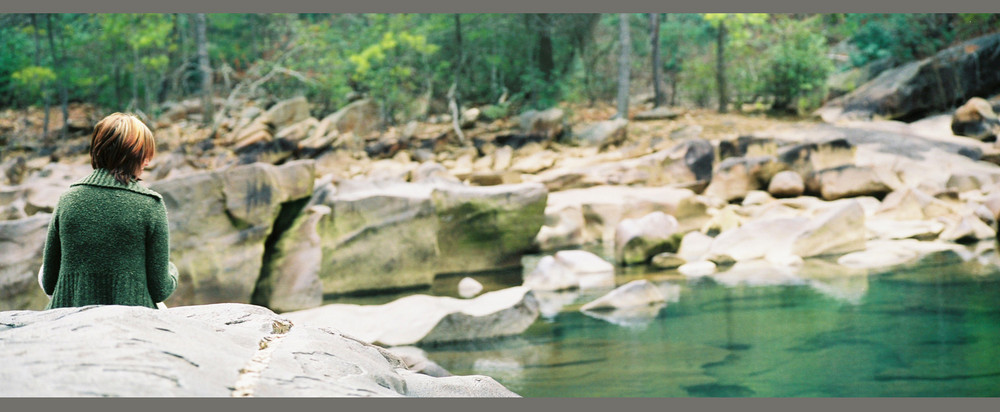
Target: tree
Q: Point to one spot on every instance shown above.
(625, 45)
(729, 27)
(38, 63)
(57, 62)
(206, 69)
(796, 66)
(654, 39)
(720, 65)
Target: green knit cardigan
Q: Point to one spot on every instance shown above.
(108, 244)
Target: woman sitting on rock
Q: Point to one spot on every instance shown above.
(108, 241)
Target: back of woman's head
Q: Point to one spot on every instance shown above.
(121, 143)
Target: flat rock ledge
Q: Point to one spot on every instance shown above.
(424, 319)
(220, 350)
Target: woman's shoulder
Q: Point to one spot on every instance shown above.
(135, 194)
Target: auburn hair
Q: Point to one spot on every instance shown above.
(121, 143)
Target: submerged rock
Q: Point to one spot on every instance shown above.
(638, 240)
(423, 319)
(697, 269)
(469, 287)
(667, 260)
(635, 293)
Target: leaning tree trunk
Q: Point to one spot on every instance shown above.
(623, 66)
(720, 68)
(206, 70)
(654, 39)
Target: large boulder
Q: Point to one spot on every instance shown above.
(397, 220)
(638, 240)
(657, 113)
(222, 350)
(486, 227)
(920, 87)
(894, 151)
(290, 276)
(688, 163)
(850, 181)
(837, 230)
(286, 112)
(602, 134)
(913, 204)
(976, 119)
(824, 153)
(563, 227)
(603, 207)
(756, 239)
(423, 319)
(551, 275)
(359, 117)
(786, 184)
(548, 123)
(219, 222)
(570, 269)
(22, 242)
(737, 176)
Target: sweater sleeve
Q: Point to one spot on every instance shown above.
(161, 275)
(51, 257)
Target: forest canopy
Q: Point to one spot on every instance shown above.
(413, 64)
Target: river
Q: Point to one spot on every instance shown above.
(920, 331)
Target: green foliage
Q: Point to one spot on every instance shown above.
(391, 70)
(408, 62)
(33, 79)
(796, 67)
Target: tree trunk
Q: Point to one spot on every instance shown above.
(456, 95)
(57, 62)
(134, 104)
(206, 70)
(654, 39)
(545, 63)
(38, 63)
(624, 65)
(172, 56)
(720, 66)
(673, 88)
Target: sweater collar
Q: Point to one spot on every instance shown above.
(103, 178)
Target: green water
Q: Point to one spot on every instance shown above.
(927, 332)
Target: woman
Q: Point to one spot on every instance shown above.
(108, 241)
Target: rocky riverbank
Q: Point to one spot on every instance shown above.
(222, 350)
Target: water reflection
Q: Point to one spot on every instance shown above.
(817, 331)
(636, 316)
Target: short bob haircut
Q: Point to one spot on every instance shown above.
(121, 143)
